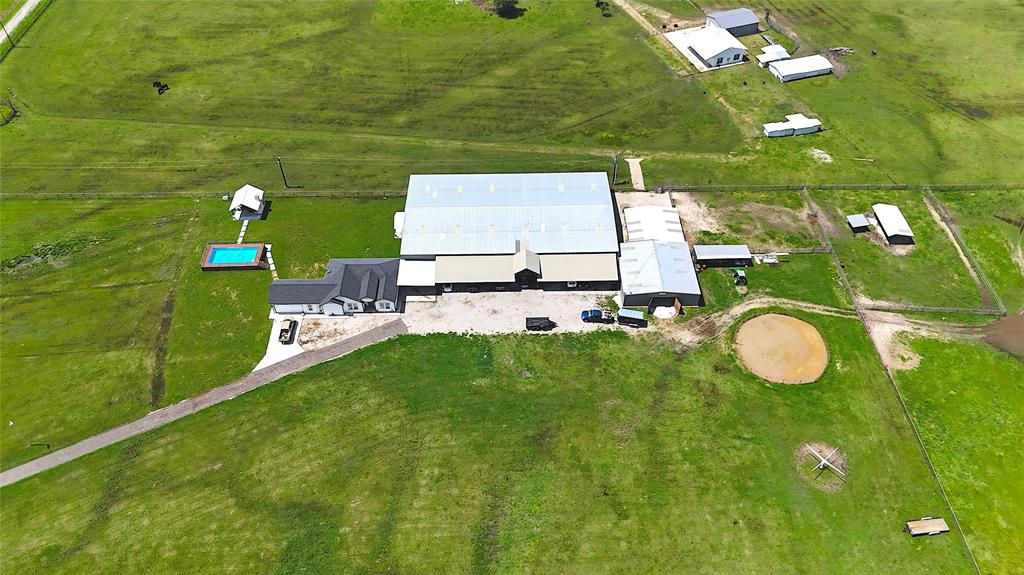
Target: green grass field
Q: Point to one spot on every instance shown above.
(968, 399)
(81, 327)
(931, 274)
(995, 243)
(767, 221)
(599, 461)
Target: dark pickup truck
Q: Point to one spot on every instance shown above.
(540, 324)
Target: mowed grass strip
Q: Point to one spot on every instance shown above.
(86, 284)
(593, 453)
(930, 274)
(967, 399)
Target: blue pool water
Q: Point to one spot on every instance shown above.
(231, 255)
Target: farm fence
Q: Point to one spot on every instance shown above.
(892, 381)
(401, 192)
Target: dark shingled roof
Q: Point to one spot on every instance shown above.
(733, 18)
(366, 279)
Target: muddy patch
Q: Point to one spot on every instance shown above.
(157, 381)
(782, 349)
(695, 215)
(1007, 334)
(826, 480)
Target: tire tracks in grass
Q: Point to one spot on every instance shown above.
(113, 489)
(158, 379)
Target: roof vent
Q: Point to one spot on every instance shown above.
(565, 229)
(561, 188)
(593, 187)
(491, 188)
(490, 229)
(458, 190)
(458, 231)
(426, 189)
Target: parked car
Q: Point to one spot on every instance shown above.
(540, 324)
(632, 318)
(596, 316)
(287, 333)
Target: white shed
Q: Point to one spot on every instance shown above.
(893, 224)
(399, 224)
(799, 68)
(247, 203)
(772, 53)
(795, 125)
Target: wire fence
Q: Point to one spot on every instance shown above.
(401, 192)
(892, 381)
(955, 231)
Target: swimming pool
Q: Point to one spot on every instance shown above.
(234, 256)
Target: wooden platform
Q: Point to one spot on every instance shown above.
(927, 526)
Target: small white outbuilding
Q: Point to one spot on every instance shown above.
(771, 53)
(247, 203)
(800, 68)
(893, 224)
(795, 125)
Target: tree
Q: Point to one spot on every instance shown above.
(507, 8)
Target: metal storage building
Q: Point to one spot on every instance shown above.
(795, 125)
(893, 224)
(738, 22)
(657, 274)
(799, 68)
(657, 223)
(771, 53)
(723, 256)
(858, 223)
(509, 231)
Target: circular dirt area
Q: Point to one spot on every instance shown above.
(781, 349)
(807, 466)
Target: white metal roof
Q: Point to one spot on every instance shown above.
(721, 252)
(579, 267)
(417, 273)
(857, 221)
(771, 57)
(653, 267)
(657, 223)
(805, 65)
(892, 221)
(710, 41)
(733, 18)
(775, 49)
(488, 213)
(793, 122)
(247, 196)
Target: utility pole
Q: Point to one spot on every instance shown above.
(283, 176)
(8, 34)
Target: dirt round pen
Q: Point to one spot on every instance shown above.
(781, 349)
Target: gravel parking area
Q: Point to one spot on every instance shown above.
(483, 313)
(496, 312)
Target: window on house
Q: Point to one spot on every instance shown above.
(719, 61)
(736, 57)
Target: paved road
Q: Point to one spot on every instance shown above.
(20, 15)
(177, 411)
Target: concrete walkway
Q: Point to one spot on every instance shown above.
(20, 15)
(636, 174)
(187, 407)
